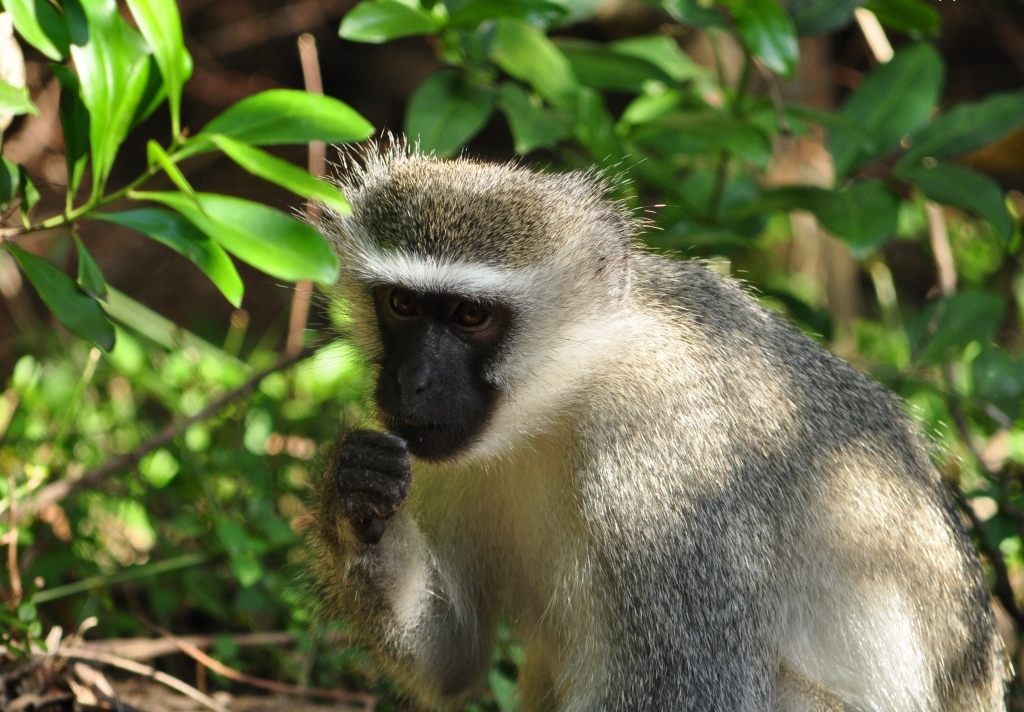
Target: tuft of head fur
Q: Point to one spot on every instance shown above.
(478, 229)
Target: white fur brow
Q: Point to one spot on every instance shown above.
(427, 274)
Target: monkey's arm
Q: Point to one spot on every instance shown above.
(377, 571)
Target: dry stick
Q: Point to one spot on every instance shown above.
(51, 494)
(939, 238)
(369, 701)
(76, 653)
(140, 649)
(13, 572)
(316, 163)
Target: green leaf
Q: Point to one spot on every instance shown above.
(817, 17)
(90, 278)
(942, 330)
(893, 100)
(273, 169)
(532, 125)
(965, 189)
(446, 111)
(79, 312)
(187, 240)
(267, 239)
(862, 215)
(527, 54)
(470, 15)
(39, 22)
(663, 52)
(74, 122)
(377, 21)
(966, 128)
(594, 127)
(10, 181)
(27, 193)
(14, 100)
(911, 16)
(280, 116)
(768, 33)
(692, 12)
(595, 66)
(158, 157)
(999, 379)
(652, 104)
(705, 133)
(160, 24)
(113, 69)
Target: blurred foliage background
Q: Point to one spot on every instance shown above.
(860, 165)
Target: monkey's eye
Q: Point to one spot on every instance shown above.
(470, 314)
(402, 303)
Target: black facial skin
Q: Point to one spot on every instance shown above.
(431, 388)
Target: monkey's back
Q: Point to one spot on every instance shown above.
(835, 520)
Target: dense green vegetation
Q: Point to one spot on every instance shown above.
(133, 495)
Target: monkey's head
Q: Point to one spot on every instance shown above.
(463, 280)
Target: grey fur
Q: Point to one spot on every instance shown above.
(684, 503)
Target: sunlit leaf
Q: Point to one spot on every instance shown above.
(446, 111)
(598, 67)
(39, 22)
(79, 312)
(265, 238)
(527, 54)
(768, 32)
(965, 189)
(280, 116)
(273, 169)
(949, 324)
(663, 52)
(894, 100)
(532, 125)
(74, 121)
(90, 278)
(158, 157)
(913, 16)
(377, 21)
(113, 68)
(14, 100)
(160, 24)
(966, 128)
(186, 239)
(472, 13)
(816, 17)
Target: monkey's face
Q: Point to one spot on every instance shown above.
(432, 388)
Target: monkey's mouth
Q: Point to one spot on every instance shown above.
(430, 441)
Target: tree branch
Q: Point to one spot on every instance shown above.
(57, 491)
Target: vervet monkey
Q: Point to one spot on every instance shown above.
(680, 501)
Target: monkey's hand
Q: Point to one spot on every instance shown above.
(373, 474)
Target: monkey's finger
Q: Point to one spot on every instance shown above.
(372, 456)
(365, 478)
(367, 504)
(388, 442)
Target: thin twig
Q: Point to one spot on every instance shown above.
(13, 572)
(51, 494)
(76, 653)
(141, 649)
(317, 167)
(368, 700)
